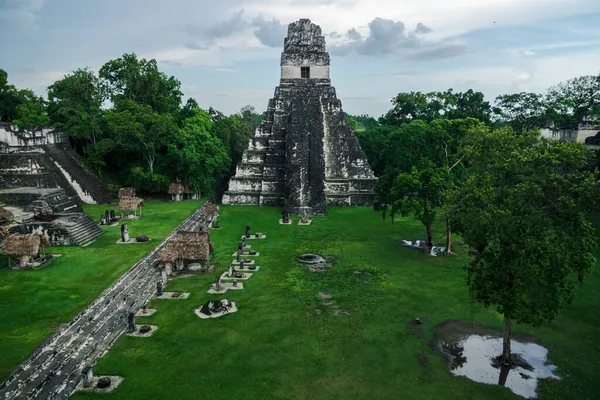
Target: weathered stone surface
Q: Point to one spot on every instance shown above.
(304, 155)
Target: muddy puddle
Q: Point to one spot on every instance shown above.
(473, 357)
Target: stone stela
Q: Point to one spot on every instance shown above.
(304, 156)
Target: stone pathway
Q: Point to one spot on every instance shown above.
(55, 369)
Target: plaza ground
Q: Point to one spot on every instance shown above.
(278, 346)
(34, 303)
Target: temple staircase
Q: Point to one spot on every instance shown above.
(90, 185)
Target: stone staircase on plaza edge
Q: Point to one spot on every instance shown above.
(93, 188)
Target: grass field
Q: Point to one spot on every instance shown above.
(277, 346)
(34, 303)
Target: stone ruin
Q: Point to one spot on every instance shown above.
(304, 155)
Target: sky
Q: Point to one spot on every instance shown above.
(226, 53)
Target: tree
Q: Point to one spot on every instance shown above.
(522, 209)
(521, 111)
(430, 106)
(139, 130)
(373, 141)
(76, 107)
(32, 110)
(188, 110)
(569, 102)
(250, 117)
(129, 78)
(360, 123)
(199, 157)
(9, 99)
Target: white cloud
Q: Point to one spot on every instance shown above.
(21, 13)
(529, 53)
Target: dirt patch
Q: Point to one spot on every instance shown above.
(424, 361)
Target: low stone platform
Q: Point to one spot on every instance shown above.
(252, 237)
(216, 315)
(247, 269)
(132, 240)
(245, 278)
(250, 262)
(290, 222)
(115, 381)
(225, 286)
(137, 333)
(149, 312)
(305, 223)
(246, 254)
(173, 295)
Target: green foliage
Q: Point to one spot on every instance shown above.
(140, 81)
(9, 99)
(522, 111)
(198, 156)
(430, 106)
(31, 112)
(76, 107)
(362, 122)
(522, 209)
(569, 102)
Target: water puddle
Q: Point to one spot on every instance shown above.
(422, 246)
(473, 357)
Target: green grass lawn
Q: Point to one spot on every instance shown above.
(278, 347)
(34, 303)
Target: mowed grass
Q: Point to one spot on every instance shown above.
(34, 303)
(278, 347)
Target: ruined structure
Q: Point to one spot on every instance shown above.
(42, 158)
(304, 155)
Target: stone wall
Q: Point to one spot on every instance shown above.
(55, 369)
(38, 136)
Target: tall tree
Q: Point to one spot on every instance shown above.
(522, 111)
(522, 209)
(200, 158)
(569, 102)
(76, 107)
(9, 99)
(32, 110)
(129, 78)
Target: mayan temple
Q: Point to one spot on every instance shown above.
(304, 155)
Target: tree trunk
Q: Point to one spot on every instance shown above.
(506, 357)
(429, 237)
(448, 236)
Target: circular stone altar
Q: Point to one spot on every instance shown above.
(311, 258)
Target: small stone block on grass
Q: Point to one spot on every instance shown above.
(216, 315)
(244, 278)
(147, 313)
(305, 223)
(246, 254)
(252, 237)
(225, 286)
(246, 269)
(246, 262)
(143, 330)
(132, 240)
(115, 381)
(173, 295)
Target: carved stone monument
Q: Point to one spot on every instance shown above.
(304, 155)
(124, 233)
(131, 322)
(159, 288)
(247, 232)
(88, 377)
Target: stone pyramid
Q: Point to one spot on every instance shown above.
(304, 156)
